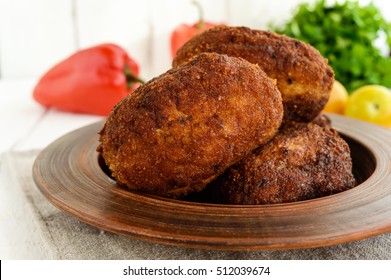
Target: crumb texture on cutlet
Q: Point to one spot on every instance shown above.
(182, 129)
(303, 76)
(303, 161)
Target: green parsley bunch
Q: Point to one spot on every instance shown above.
(345, 33)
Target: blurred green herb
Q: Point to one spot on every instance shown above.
(345, 33)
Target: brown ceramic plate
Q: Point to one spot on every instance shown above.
(70, 174)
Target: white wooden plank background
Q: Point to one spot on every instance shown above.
(36, 34)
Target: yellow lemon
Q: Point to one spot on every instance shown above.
(338, 99)
(370, 103)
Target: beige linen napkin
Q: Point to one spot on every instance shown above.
(37, 230)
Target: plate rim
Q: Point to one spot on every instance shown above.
(242, 238)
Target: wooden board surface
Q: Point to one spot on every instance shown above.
(69, 174)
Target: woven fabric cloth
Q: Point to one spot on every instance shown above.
(37, 230)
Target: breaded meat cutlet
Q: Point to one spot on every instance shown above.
(303, 161)
(182, 129)
(322, 120)
(303, 76)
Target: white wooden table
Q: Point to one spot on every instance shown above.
(26, 125)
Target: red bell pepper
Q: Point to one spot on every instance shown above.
(90, 81)
(185, 32)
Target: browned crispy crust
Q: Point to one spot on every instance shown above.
(303, 76)
(183, 128)
(303, 161)
(322, 120)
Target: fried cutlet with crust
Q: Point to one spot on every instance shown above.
(182, 129)
(322, 120)
(303, 161)
(303, 76)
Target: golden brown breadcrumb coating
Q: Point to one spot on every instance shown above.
(303, 76)
(182, 129)
(322, 120)
(303, 161)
